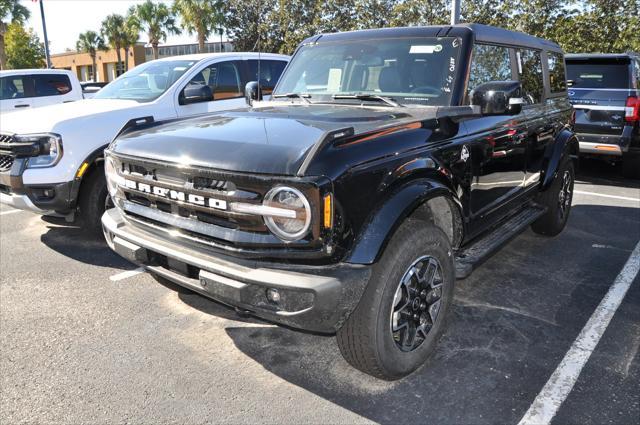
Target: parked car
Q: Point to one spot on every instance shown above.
(388, 163)
(605, 93)
(51, 157)
(32, 88)
(90, 88)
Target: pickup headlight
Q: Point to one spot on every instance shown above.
(292, 226)
(111, 174)
(48, 147)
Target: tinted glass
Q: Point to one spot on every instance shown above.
(51, 85)
(12, 87)
(146, 82)
(556, 72)
(599, 73)
(409, 70)
(270, 72)
(489, 63)
(530, 70)
(223, 78)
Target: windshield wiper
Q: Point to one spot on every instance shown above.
(303, 96)
(367, 96)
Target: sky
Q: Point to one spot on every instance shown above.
(66, 19)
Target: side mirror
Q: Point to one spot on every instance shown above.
(252, 92)
(195, 93)
(498, 98)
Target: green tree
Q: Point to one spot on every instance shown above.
(157, 20)
(201, 17)
(23, 48)
(11, 12)
(130, 36)
(419, 12)
(90, 42)
(112, 30)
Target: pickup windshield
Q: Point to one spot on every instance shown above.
(404, 70)
(146, 82)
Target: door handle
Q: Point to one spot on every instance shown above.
(21, 106)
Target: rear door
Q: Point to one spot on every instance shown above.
(16, 93)
(598, 90)
(51, 89)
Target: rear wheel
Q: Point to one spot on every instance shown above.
(402, 313)
(557, 199)
(631, 165)
(94, 200)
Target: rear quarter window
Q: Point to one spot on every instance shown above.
(557, 76)
(51, 85)
(599, 73)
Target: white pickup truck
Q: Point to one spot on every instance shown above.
(51, 157)
(32, 88)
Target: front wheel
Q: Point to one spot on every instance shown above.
(557, 198)
(402, 313)
(94, 200)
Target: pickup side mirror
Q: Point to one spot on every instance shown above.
(252, 92)
(195, 93)
(498, 98)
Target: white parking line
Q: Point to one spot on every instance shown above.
(624, 198)
(561, 382)
(126, 275)
(10, 212)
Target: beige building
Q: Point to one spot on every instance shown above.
(106, 62)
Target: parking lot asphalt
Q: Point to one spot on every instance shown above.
(86, 338)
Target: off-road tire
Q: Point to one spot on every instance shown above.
(366, 340)
(93, 197)
(631, 165)
(555, 218)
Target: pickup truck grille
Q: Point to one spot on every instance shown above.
(6, 161)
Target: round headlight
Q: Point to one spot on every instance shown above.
(288, 228)
(111, 175)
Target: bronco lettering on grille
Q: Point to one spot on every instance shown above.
(176, 195)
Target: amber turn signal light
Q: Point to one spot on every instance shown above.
(328, 211)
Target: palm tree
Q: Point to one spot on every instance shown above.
(201, 17)
(112, 31)
(90, 42)
(130, 36)
(11, 11)
(157, 20)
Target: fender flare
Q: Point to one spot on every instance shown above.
(384, 221)
(92, 158)
(566, 143)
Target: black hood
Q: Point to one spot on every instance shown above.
(266, 140)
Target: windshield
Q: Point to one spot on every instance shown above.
(146, 82)
(598, 73)
(407, 70)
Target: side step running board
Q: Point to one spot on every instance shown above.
(485, 246)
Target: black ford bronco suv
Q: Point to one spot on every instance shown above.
(388, 163)
(605, 92)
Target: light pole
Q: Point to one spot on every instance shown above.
(46, 39)
(455, 12)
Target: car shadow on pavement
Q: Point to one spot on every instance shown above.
(76, 243)
(597, 171)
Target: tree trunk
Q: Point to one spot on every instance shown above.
(3, 56)
(201, 42)
(154, 47)
(95, 70)
(126, 59)
(119, 56)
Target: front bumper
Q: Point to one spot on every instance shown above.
(314, 298)
(48, 199)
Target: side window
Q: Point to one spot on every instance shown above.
(51, 85)
(556, 72)
(270, 71)
(13, 87)
(530, 70)
(223, 78)
(637, 72)
(489, 63)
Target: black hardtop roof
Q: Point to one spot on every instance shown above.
(602, 55)
(482, 34)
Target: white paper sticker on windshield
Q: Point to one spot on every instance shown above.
(426, 49)
(335, 75)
